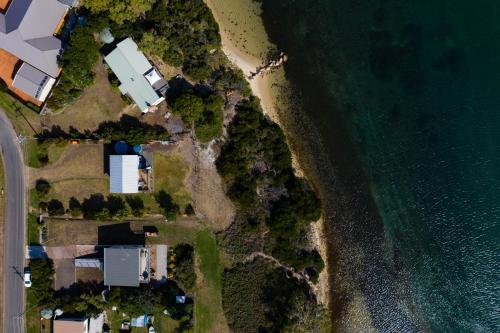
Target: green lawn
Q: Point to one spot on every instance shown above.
(33, 233)
(34, 149)
(208, 313)
(170, 173)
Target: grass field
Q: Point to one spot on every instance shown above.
(208, 313)
(170, 173)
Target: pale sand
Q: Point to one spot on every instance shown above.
(246, 52)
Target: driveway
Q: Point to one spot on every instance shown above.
(65, 273)
(14, 228)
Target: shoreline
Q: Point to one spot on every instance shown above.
(265, 87)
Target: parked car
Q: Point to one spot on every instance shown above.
(27, 277)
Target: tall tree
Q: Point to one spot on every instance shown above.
(120, 11)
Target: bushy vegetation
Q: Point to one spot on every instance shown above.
(120, 11)
(256, 158)
(96, 207)
(77, 61)
(184, 266)
(136, 204)
(41, 291)
(130, 129)
(258, 297)
(205, 114)
(169, 208)
(191, 32)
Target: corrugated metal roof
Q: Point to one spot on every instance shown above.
(124, 173)
(30, 80)
(129, 65)
(121, 266)
(26, 31)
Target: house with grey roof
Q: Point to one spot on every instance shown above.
(27, 29)
(126, 266)
(138, 78)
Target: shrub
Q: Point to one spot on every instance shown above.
(55, 207)
(130, 129)
(42, 278)
(206, 114)
(184, 266)
(77, 62)
(42, 186)
(117, 207)
(75, 207)
(94, 207)
(169, 208)
(136, 204)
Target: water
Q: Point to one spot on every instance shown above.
(405, 96)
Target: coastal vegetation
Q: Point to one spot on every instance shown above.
(204, 114)
(270, 261)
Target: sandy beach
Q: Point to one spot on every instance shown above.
(245, 43)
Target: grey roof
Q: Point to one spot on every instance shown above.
(121, 266)
(30, 80)
(129, 64)
(27, 29)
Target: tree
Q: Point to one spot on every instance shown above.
(153, 44)
(55, 207)
(169, 207)
(91, 304)
(184, 266)
(42, 278)
(75, 207)
(137, 301)
(77, 62)
(136, 205)
(116, 207)
(189, 106)
(42, 186)
(94, 207)
(120, 11)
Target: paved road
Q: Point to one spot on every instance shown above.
(13, 302)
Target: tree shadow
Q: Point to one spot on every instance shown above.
(119, 234)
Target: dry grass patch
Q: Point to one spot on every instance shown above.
(77, 161)
(89, 274)
(61, 232)
(80, 188)
(170, 174)
(100, 102)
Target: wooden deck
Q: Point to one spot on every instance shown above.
(8, 65)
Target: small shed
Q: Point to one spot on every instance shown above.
(124, 173)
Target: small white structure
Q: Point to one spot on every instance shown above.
(124, 173)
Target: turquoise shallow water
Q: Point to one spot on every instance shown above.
(405, 96)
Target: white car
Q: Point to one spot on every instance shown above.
(27, 277)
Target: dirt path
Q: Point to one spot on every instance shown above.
(205, 185)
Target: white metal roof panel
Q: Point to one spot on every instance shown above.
(124, 173)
